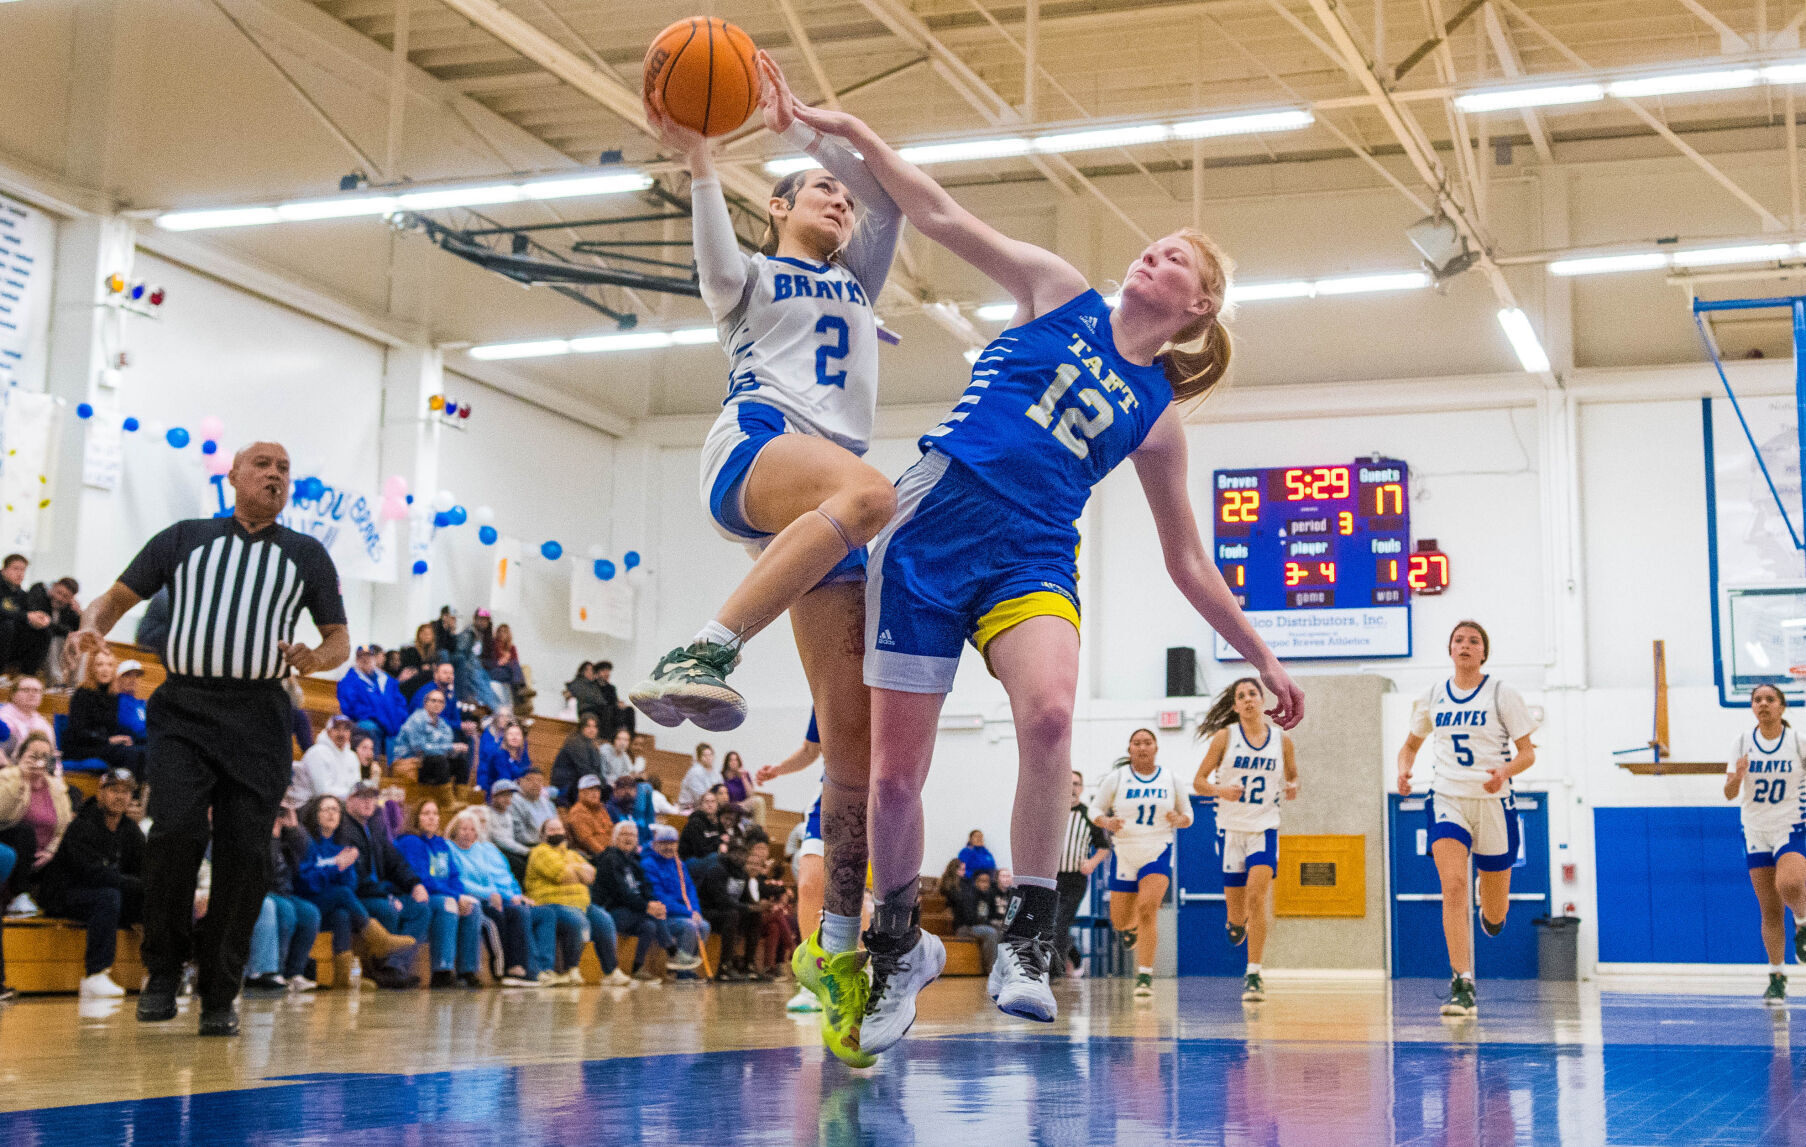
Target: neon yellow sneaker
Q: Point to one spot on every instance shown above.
(840, 983)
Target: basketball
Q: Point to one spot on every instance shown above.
(702, 67)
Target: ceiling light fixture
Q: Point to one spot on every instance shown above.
(595, 344)
(1607, 264)
(1377, 283)
(1679, 83)
(1531, 355)
(1510, 98)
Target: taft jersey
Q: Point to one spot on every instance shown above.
(1472, 733)
(1051, 409)
(1771, 797)
(804, 340)
(1142, 802)
(1260, 770)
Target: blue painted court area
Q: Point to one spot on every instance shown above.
(1627, 1069)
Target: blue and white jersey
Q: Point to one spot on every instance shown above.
(1051, 409)
(1471, 734)
(1260, 770)
(1771, 798)
(803, 339)
(1142, 802)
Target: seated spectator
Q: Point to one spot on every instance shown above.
(460, 649)
(632, 800)
(494, 726)
(721, 891)
(588, 696)
(22, 717)
(975, 856)
(431, 741)
(580, 756)
(774, 933)
(35, 811)
(560, 877)
(702, 777)
(587, 820)
(741, 789)
(617, 758)
(455, 934)
(370, 697)
(502, 828)
(94, 731)
(503, 664)
(283, 941)
(703, 834)
(388, 888)
(12, 606)
(133, 713)
(444, 679)
(532, 807)
(670, 883)
(507, 761)
(621, 889)
(330, 765)
(734, 825)
(97, 877)
(415, 663)
(51, 613)
(963, 902)
(616, 713)
(326, 877)
(529, 931)
(990, 905)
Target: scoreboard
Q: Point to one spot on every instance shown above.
(1319, 557)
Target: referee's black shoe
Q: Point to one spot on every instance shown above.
(219, 1021)
(157, 1002)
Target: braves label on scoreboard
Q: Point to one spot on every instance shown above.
(1319, 557)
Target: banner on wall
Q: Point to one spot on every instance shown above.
(27, 238)
(599, 606)
(24, 467)
(505, 577)
(347, 523)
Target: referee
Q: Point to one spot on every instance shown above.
(219, 726)
(1085, 847)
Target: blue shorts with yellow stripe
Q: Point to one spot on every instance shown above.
(957, 563)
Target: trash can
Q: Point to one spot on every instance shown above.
(1557, 947)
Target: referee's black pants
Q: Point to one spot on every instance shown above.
(219, 747)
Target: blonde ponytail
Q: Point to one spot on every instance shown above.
(1197, 359)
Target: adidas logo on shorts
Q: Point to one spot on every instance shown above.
(885, 638)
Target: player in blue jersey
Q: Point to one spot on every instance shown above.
(983, 549)
(782, 472)
(1765, 778)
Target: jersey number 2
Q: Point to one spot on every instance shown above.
(836, 351)
(1073, 428)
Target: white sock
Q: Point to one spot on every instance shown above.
(1046, 882)
(1144, 971)
(1464, 976)
(717, 633)
(1254, 969)
(1775, 969)
(839, 933)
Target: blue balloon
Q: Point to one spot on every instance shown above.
(176, 437)
(131, 424)
(605, 569)
(210, 447)
(487, 535)
(84, 410)
(631, 559)
(441, 520)
(551, 551)
(458, 515)
(409, 499)
(308, 489)
(419, 566)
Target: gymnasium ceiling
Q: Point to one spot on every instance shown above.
(243, 101)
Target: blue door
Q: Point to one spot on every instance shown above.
(1203, 946)
(1418, 948)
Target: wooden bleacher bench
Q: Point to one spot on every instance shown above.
(44, 954)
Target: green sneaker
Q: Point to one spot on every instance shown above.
(1461, 998)
(1777, 989)
(843, 995)
(1144, 985)
(690, 683)
(1253, 991)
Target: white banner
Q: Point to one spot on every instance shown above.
(348, 524)
(1377, 631)
(599, 606)
(103, 452)
(505, 576)
(24, 480)
(27, 238)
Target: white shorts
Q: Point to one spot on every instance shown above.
(1763, 846)
(1486, 826)
(1244, 850)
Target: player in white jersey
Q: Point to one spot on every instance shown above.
(1248, 768)
(1139, 802)
(1482, 732)
(1766, 778)
(782, 472)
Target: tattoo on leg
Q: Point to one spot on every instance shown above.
(844, 843)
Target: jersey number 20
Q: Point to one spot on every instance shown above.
(1073, 428)
(1769, 790)
(836, 350)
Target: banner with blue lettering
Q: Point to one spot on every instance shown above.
(348, 522)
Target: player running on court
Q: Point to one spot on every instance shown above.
(1139, 803)
(1765, 779)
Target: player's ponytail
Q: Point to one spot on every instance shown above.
(1196, 359)
(1222, 712)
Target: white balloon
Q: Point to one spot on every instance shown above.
(484, 516)
(597, 551)
(444, 501)
(638, 575)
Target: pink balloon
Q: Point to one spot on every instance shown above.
(211, 429)
(394, 509)
(395, 486)
(218, 464)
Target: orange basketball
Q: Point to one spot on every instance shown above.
(703, 69)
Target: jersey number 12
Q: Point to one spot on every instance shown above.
(1073, 428)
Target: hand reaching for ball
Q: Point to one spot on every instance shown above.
(775, 97)
(684, 141)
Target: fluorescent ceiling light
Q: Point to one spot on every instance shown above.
(1260, 292)
(1680, 82)
(1503, 100)
(1243, 124)
(570, 188)
(1102, 138)
(790, 164)
(1366, 284)
(312, 209)
(536, 349)
(223, 217)
(694, 336)
(428, 199)
(1523, 340)
(996, 312)
(1718, 256)
(593, 344)
(1785, 73)
(1605, 264)
(965, 149)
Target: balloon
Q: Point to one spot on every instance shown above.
(84, 411)
(464, 411)
(218, 464)
(408, 498)
(212, 428)
(441, 520)
(444, 501)
(210, 447)
(458, 515)
(130, 424)
(487, 535)
(597, 551)
(483, 515)
(436, 402)
(176, 437)
(605, 569)
(395, 486)
(451, 408)
(309, 489)
(394, 509)
(551, 551)
(631, 559)
(419, 566)
(638, 576)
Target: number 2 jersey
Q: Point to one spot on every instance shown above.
(1471, 734)
(1260, 770)
(1771, 800)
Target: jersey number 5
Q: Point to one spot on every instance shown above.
(1463, 755)
(836, 350)
(1073, 428)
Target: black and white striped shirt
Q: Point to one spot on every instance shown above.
(1082, 839)
(235, 596)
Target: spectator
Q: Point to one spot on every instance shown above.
(455, 934)
(631, 801)
(444, 678)
(430, 741)
(371, 697)
(283, 941)
(51, 614)
(670, 883)
(703, 834)
(580, 756)
(561, 878)
(96, 877)
(621, 889)
(773, 933)
(617, 758)
(616, 713)
(330, 765)
(503, 664)
(721, 891)
(588, 695)
(21, 714)
(734, 827)
(35, 807)
(975, 856)
(502, 827)
(94, 731)
(416, 662)
(152, 634)
(532, 807)
(13, 605)
(989, 905)
(742, 791)
(962, 902)
(133, 714)
(702, 777)
(460, 650)
(383, 880)
(494, 727)
(508, 760)
(528, 931)
(587, 820)
(326, 877)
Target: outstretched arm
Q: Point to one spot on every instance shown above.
(1161, 463)
(720, 267)
(806, 754)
